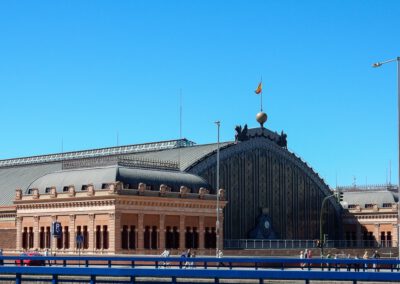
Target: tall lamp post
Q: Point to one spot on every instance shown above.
(218, 123)
(379, 64)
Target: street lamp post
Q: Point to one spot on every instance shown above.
(321, 233)
(379, 64)
(218, 123)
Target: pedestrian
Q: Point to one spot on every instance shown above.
(301, 256)
(187, 255)
(376, 255)
(1, 257)
(357, 264)
(46, 254)
(220, 254)
(365, 257)
(337, 267)
(191, 264)
(165, 253)
(309, 254)
(328, 264)
(348, 265)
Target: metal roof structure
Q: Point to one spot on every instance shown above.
(363, 198)
(129, 149)
(100, 177)
(21, 172)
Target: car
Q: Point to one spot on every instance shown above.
(30, 262)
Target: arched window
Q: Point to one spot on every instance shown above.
(175, 238)
(168, 237)
(147, 237)
(195, 236)
(154, 238)
(132, 238)
(42, 238)
(105, 237)
(98, 237)
(60, 240)
(66, 237)
(188, 238)
(25, 238)
(124, 237)
(207, 238)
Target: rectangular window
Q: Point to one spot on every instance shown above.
(105, 237)
(42, 238)
(98, 237)
(66, 237)
(48, 237)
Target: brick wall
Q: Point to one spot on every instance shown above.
(8, 237)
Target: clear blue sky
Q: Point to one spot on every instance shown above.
(81, 71)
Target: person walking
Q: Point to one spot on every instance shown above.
(165, 253)
(376, 255)
(1, 256)
(186, 254)
(301, 256)
(348, 265)
(220, 254)
(365, 257)
(357, 264)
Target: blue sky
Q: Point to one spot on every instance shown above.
(82, 71)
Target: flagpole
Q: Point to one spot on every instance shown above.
(261, 95)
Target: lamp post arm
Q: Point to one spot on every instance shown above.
(320, 222)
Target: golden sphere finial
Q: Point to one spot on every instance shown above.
(261, 118)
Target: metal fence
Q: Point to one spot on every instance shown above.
(128, 269)
(302, 244)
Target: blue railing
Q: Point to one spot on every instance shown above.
(128, 269)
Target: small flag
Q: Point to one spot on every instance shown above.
(259, 89)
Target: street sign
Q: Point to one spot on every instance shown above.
(79, 240)
(56, 229)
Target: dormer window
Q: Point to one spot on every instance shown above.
(48, 190)
(30, 191)
(84, 187)
(369, 205)
(105, 186)
(387, 205)
(65, 188)
(352, 206)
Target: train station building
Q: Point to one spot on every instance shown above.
(143, 198)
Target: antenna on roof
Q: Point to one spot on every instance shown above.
(386, 176)
(117, 138)
(390, 171)
(62, 145)
(336, 180)
(180, 125)
(180, 114)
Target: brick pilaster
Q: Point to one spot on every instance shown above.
(161, 237)
(182, 245)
